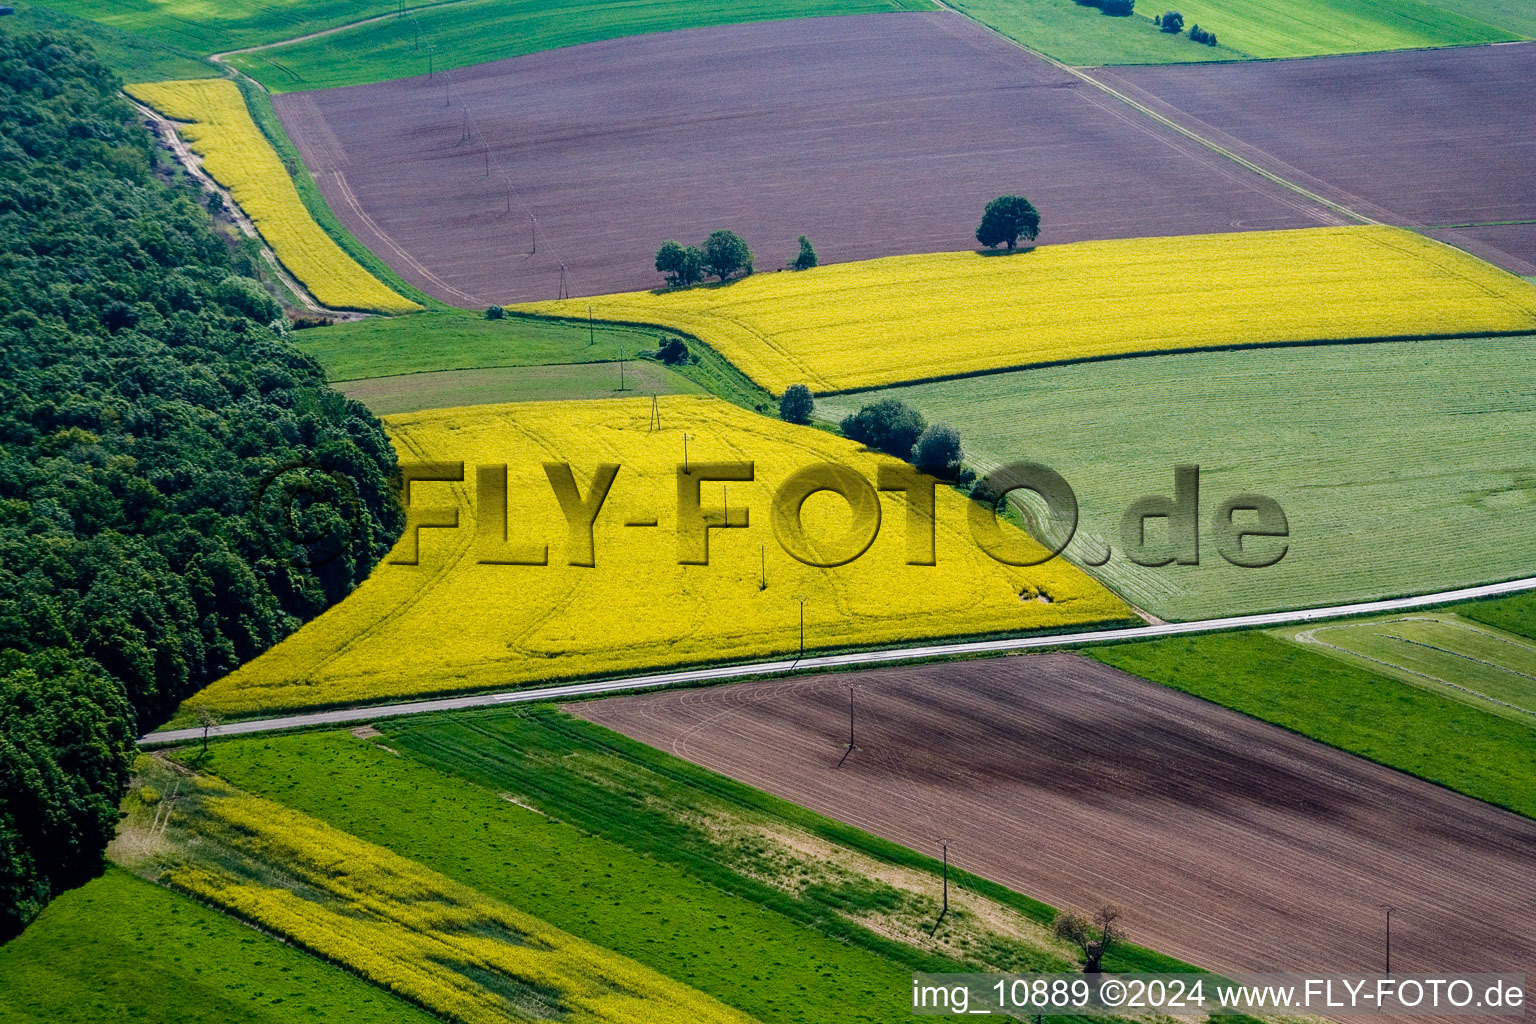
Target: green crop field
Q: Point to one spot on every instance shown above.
(460, 340)
(1517, 16)
(1401, 467)
(414, 392)
(1305, 28)
(763, 963)
(1082, 35)
(1407, 727)
(454, 35)
(122, 949)
(1513, 614)
(370, 358)
(215, 26)
(757, 902)
(1487, 668)
(135, 57)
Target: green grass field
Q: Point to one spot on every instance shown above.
(451, 339)
(122, 949)
(1406, 727)
(1402, 467)
(1487, 668)
(1080, 35)
(760, 961)
(1513, 614)
(135, 57)
(454, 35)
(1306, 28)
(357, 353)
(759, 903)
(215, 26)
(413, 392)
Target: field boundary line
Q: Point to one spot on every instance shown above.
(1171, 124)
(834, 661)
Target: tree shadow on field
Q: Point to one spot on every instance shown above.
(1016, 251)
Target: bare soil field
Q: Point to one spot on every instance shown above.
(1423, 138)
(875, 135)
(1227, 842)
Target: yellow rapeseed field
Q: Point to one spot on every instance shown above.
(411, 930)
(906, 318)
(452, 623)
(218, 127)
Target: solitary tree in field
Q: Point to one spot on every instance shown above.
(807, 257)
(682, 265)
(1172, 21)
(494, 312)
(1006, 220)
(797, 404)
(206, 721)
(726, 255)
(1094, 938)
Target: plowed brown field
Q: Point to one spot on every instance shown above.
(1226, 841)
(876, 135)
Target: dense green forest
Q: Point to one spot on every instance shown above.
(178, 487)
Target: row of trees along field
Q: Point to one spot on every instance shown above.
(145, 405)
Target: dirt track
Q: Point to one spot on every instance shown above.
(1228, 842)
(1421, 138)
(875, 135)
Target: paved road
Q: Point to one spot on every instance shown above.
(765, 668)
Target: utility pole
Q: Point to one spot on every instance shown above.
(565, 289)
(851, 688)
(533, 226)
(685, 453)
(763, 583)
(943, 842)
(1389, 908)
(801, 599)
(591, 331)
(621, 367)
(655, 423)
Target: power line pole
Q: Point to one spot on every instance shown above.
(621, 367)
(851, 688)
(1389, 908)
(685, 453)
(763, 583)
(943, 842)
(801, 599)
(591, 331)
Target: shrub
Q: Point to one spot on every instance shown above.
(1172, 21)
(889, 425)
(1117, 8)
(494, 312)
(673, 351)
(938, 451)
(1200, 35)
(797, 404)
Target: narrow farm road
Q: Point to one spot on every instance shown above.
(828, 661)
